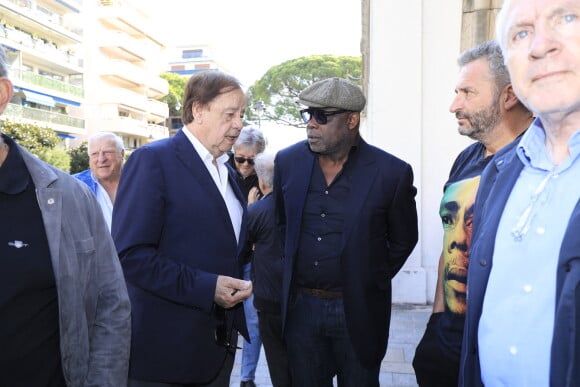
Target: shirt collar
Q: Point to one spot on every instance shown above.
(532, 148)
(14, 176)
(202, 151)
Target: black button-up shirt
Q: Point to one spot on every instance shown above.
(318, 259)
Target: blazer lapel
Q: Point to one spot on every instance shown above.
(193, 163)
(296, 189)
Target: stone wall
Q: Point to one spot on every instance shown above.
(478, 21)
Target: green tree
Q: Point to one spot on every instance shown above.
(277, 91)
(57, 157)
(39, 141)
(32, 137)
(79, 158)
(175, 97)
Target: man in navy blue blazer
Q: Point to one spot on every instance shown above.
(350, 220)
(179, 224)
(523, 285)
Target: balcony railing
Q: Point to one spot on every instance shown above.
(30, 9)
(47, 82)
(39, 115)
(157, 131)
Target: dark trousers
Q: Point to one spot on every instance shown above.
(222, 379)
(270, 325)
(434, 365)
(319, 346)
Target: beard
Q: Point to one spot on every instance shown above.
(481, 122)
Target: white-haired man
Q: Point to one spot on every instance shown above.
(106, 154)
(523, 300)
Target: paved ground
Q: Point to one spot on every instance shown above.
(407, 326)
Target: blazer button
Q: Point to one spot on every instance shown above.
(483, 263)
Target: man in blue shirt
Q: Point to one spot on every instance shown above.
(350, 220)
(523, 301)
(106, 156)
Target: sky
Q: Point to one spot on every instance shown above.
(248, 37)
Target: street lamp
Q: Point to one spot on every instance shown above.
(259, 108)
(173, 98)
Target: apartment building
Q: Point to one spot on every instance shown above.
(187, 60)
(81, 67)
(42, 41)
(122, 72)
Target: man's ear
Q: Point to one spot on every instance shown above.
(509, 98)
(353, 119)
(197, 112)
(6, 93)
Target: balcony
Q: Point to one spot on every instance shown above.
(41, 51)
(56, 121)
(32, 78)
(157, 132)
(53, 24)
(125, 74)
(120, 15)
(119, 45)
(126, 126)
(157, 108)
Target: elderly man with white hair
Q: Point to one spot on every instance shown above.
(106, 155)
(523, 299)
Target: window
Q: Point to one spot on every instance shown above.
(189, 54)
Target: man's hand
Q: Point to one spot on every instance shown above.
(253, 195)
(231, 291)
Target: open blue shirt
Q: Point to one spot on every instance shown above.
(517, 321)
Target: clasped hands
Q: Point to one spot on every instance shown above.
(230, 291)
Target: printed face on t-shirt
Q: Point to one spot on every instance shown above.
(456, 213)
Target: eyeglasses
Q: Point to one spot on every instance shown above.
(320, 115)
(242, 160)
(223, 336)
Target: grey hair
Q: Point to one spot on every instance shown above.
(264, 166)
(109, 136)
(3, 63)
(491, 51)
(251, 137)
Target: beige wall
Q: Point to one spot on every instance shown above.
(409, 51)
(410, 75)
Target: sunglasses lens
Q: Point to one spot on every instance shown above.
(317, 114)
(242, 160)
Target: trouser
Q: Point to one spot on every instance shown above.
(250, 350)
(319, 346)
(275, 348)
(434, 365)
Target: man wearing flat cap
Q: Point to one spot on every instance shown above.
(350, 221)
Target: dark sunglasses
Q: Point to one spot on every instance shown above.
(320, 115)
(223, 336)
(242, 160)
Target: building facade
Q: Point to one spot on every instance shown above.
(126, 56)
(81, 67)
(42, 41)
(410, 71)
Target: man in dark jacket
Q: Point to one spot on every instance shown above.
(522, 322)
(349, 213)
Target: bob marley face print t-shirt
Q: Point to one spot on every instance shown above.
(456, 212)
